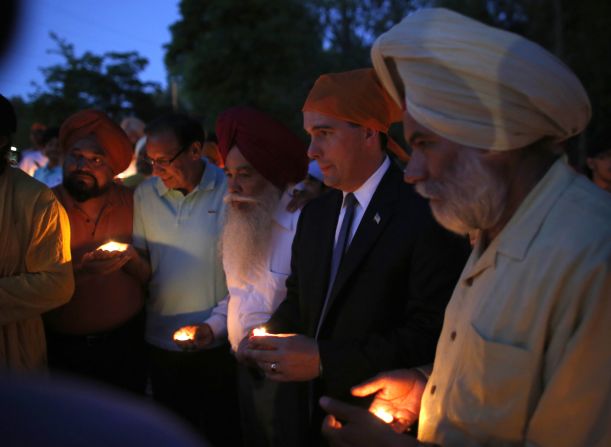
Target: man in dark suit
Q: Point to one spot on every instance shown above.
(371, 271)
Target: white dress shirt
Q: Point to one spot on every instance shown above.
(250, 305)
(363, 196)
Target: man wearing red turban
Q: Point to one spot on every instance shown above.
(371, 271)
(263, 161)
(99, 333)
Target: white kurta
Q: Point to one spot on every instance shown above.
(250, 305)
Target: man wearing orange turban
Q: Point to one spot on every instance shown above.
(99, 333)
(371, 271)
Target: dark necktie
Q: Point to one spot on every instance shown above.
(338, 251)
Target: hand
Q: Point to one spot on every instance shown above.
(285, 357)
(100, 262)
(241, 355)
(203, 336)
(398, 392)
(358, 427)
(301, 197)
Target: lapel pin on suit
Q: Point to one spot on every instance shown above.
(377, 218)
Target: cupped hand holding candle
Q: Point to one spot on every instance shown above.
(397, 396)
(185, 333)
(113, 246)
(193, 337)
(107, 258)
(351, 425)
(259, 332)
(383, 414)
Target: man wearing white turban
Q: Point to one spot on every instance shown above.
(524, 354)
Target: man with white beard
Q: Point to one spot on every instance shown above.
(263, 161)
(524, 354)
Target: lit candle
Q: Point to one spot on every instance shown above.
(383, 414)
(259, 332)
(185, 333)
(113, 246)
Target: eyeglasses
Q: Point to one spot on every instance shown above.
(165, 163)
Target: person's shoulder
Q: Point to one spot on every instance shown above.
(145, 188)
(322, 204)
(124, 194)
(585, 211)
(29, 193)
(27, 186)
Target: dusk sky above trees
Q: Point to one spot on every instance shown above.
(90, 25)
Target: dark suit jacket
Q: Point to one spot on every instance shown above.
(387, 304)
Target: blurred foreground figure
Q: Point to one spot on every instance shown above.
(35, 267)
(37, 411)
(99, 334)
(524, 354)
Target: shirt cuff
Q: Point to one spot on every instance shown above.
(218, 324)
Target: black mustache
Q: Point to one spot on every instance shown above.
(75, 173)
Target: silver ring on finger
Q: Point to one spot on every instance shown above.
(273, 367)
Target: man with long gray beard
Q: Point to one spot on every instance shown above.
(99, 334)
(524, 354)
(263, 161)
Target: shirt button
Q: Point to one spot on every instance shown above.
(453, 336)
(433, 389)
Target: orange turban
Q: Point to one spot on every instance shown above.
(109, 134)
(358, 97)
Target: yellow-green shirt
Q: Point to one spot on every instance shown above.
(524, 357)
(35, 267)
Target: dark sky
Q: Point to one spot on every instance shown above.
(91, 25)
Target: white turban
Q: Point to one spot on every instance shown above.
(477, 85)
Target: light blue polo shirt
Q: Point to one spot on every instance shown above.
(181, 235)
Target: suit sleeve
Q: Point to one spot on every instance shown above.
(410, 336)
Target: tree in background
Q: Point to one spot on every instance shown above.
(108, 82)
(351, 26)
(258, 52)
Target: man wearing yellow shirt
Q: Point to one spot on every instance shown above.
(35, 267)
(524, 355)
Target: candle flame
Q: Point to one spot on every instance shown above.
(184, 334)
(383, 414)
(113, 246)
(260, 332)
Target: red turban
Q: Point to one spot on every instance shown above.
(270, 147)
(109, 134)
(358, 97)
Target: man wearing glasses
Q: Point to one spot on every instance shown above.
(178, 217)
(99, 334)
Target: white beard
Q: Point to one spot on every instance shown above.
(246, 237)
(471, 197)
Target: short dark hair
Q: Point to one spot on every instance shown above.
(186, 129)
(8, 119)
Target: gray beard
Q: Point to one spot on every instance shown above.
(246, 237)
(472, 195)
